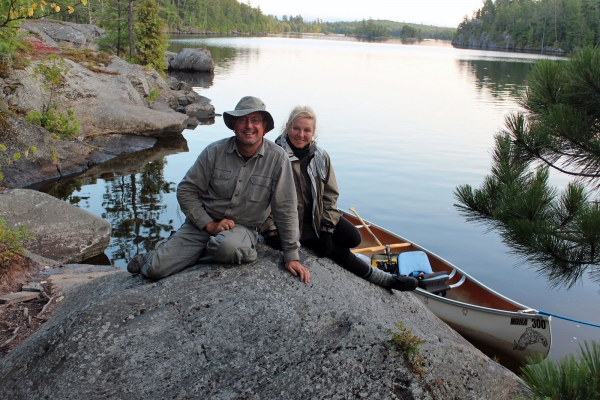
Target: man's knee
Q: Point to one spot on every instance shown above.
(227, 249)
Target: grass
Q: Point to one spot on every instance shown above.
(94, 58)
(407, 343)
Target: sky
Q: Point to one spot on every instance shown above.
(429, 12)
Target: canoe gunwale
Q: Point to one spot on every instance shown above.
(469, 277)
(526, 312)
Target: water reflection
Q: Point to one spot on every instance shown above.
(134, 205)
(195, 79)
(501, 78)
(224, 56)
(132, 200)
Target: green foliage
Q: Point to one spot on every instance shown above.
(371, 30)
(153, 95)
(409, 32)
(60, 125)
(12, 55)
(51, 70)
(568, 379)
(409, 344)
(11, 241)
(536, 24)
(396, 29)
(223, 16)
(557, 232)
(150, 41)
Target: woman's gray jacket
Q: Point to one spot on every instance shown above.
(324, 189)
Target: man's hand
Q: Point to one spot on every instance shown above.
(298, 269)
(215, 228)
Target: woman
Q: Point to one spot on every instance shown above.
(321, 227)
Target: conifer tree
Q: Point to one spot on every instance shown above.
(557, 232)
(150, 40)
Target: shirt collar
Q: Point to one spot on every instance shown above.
(233, 147)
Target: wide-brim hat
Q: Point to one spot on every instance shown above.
(248, 105)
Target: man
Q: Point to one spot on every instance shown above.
(226, 196)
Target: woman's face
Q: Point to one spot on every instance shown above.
(302, 132)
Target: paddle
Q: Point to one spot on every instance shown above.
(365, 225)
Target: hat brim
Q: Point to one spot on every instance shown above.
(230, 116)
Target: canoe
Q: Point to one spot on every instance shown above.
(478, 313)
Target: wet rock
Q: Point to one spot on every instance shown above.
(192, 122)
(63, 232)
(202, 109)
(186, 97)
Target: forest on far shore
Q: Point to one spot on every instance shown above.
(227, 16)
(534, 24)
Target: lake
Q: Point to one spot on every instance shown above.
(404, 126)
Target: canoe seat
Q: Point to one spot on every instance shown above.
(416, 264)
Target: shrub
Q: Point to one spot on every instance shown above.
(408, 344)
(11, 242)
(60, 125)
(153, 95)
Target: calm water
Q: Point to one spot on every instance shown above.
(404, 126)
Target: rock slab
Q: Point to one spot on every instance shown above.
(63, 232)
(249, 331)
(65, 34)
(196, 60)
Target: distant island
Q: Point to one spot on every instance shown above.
(546, 27)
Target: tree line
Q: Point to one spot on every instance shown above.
(225, 16)
(535, 24)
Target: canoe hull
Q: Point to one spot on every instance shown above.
(516, 335)
(474, 310)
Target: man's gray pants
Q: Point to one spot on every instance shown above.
(190, 246)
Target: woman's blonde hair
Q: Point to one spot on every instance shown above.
(300, 112)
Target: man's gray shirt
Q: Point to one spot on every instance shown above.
(221, 184)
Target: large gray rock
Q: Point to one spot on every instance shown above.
(104, 103)
(63, 232)
(54, 159)
(65, 34)
(196, 60)
(51, 159)
(232, 332)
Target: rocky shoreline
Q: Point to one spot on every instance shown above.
(482, 41)
(122, 108)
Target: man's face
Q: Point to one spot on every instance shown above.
(249, 131)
